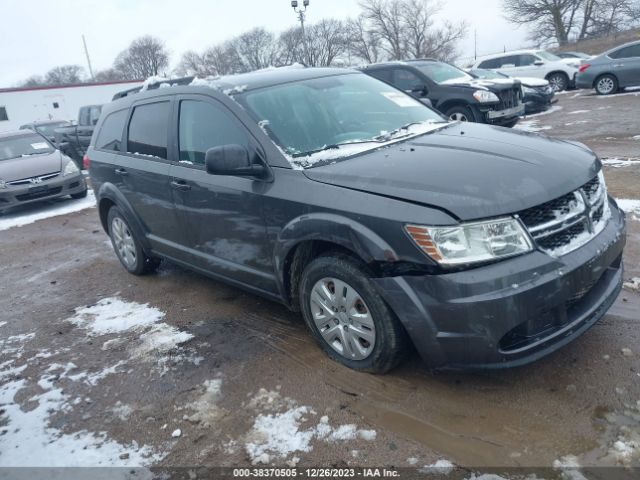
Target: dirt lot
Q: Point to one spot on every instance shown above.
(194, 372)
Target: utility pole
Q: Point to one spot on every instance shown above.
(301, 15)
(86, 52)
(475, 43)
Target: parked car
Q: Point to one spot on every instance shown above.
(574, 55)
(31, 169)
(616, 69)
(537, 94)
(455, 93)
(46, 128)
(73, 140)
(350, 201)
(532, 63)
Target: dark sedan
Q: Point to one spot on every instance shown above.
(31, 169)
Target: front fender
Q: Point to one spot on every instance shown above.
(109, 192)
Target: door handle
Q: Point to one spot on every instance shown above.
(180, 185)
(121, 172)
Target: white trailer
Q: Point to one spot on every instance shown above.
(19, 106)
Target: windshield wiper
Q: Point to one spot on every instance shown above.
(33, 153)
(335, 146)
(392, 134)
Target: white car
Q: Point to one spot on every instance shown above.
(532, 63)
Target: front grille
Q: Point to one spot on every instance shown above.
(40, 194)
(510, 98)
(568, 222)
(34, 180)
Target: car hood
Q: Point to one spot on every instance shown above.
(483, 83)
(533, 82)
(472, 171)
(32, 166)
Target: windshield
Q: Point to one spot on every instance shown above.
(24, 145)
(443, 73)
(548, 56)
(48, 129)
(488, 74)
(338, 115)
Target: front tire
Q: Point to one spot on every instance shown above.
(460, 113)
(347, 316)
(559, 81)
(127, 246)
(606, 85)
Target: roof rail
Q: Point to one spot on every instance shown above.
(153, 86)
(426, 59)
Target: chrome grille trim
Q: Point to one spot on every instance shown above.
(37, 179)
(562, 225)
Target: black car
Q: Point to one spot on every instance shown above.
(46, 128)
(455, 93)
(537, 94)
(342, 197)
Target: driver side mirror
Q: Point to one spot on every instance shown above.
(234, 160)
(418, 90)
(538, 63)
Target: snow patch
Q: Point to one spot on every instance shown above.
(576, 112)
(206, 409)
(54, 209)
(112, 315)
(440, 467)
(633, 284)
(617, 162)
(531, 126)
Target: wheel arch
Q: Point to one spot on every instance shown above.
(553, 72)
(600, 75)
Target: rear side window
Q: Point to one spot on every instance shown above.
(406, 80)
(384, 75)
(492, 63)
(627, 52)
(148, 130)
(204, 126)
(110, 135)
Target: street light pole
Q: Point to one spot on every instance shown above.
(301, 15)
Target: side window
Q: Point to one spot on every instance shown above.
(406, 80)
(627, 52)
(3, 114)
(380, 74)
(491, 63)
(204, 126)
(110, 135)
(148, 130)
(84, 116)
(526, 60)
(510, 61)
(94, 114)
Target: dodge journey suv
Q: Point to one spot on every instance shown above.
(383, 223)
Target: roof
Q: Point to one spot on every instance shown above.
(17, 133)
(245, 81)
(504, 54)
(73, 85)
(399, 62)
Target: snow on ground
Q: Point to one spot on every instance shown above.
(112, 315)
(617, 162)
(206, 410)
(553, 109)
(54, 209)
(531, 126)
(629, 205)
(439, 467)
(278, 434)
(576, 112)
(633, 284)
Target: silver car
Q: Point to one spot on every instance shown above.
(612, 71)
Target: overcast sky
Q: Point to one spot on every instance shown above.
(39, 34)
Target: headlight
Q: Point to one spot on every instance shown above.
(528, 90)
(70, 168)
(3, 184)
(485, 97)
(471, 242)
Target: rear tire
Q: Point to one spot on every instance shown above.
(606, 84)
(559, 81)
(127, 246)
(461, 113)
(347, 316)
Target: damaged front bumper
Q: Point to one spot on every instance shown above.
(512, 312)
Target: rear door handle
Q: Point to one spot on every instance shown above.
(121, 171)
(180, 185)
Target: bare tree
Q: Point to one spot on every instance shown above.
(64, 75)
(362, 42)
(145, 57)
(385, 19)
(326, 41)
(108, 75)
(257, 48)
(32, 81)
(291, 47)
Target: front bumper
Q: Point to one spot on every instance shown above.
(537, 101)
(504, 116)
(59, 186)
(512, 312)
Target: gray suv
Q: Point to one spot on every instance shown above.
(344, 198)
(612, 71)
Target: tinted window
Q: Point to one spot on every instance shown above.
(94, 114)
(84, 116)
(511, 60)
(148, 130)
(526, 60)
(204, 126)
(406, 80)
(3, 114)
(110, 135)
(627, 52)
(384, 75)
(492, 63)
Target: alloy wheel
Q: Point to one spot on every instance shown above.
(343, 318)
(557, 83)
(459, 117)
(605, 85)
(123, 241)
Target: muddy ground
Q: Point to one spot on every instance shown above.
(204, 374)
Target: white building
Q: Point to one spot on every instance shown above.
(19, 106)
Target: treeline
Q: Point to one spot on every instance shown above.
(384, 30)
(562, 21)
